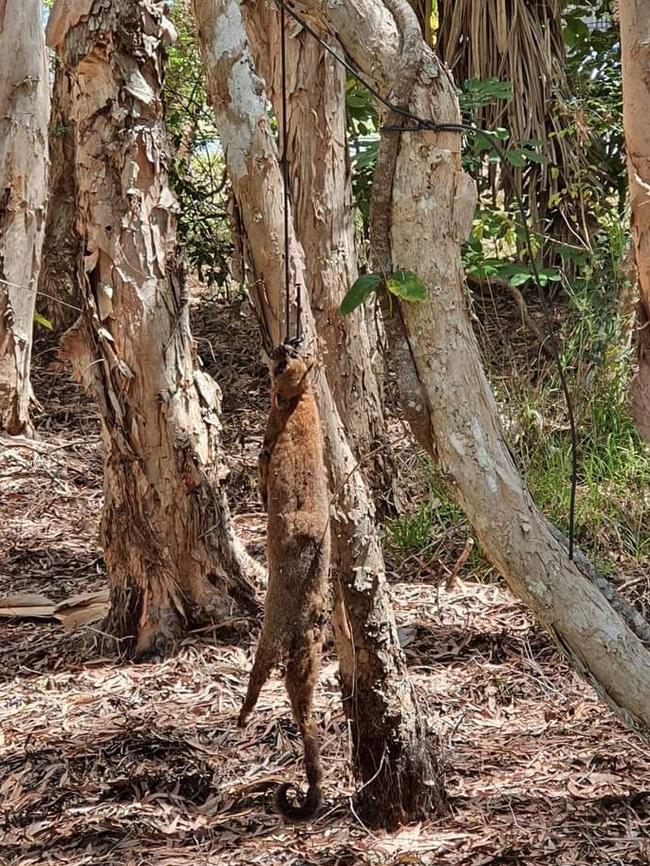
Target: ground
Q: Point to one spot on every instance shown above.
(103, 762)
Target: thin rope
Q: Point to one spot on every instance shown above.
(423, 123)
(285, 172)
(298, 313)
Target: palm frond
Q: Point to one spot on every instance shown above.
(521, 41)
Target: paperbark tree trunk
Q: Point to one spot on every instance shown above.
(24, 110)
(58, 287)
(170, 549)
(431, 211)
(635, 50)
(321, 195)
(392, 755)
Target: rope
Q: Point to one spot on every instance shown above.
(285, 173)
(423, 123)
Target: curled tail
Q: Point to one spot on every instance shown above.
(314, 772)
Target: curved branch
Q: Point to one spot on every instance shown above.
(432, 208)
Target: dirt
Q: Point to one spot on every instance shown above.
(103, 762)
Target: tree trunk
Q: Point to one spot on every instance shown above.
(432, 208)
(24, 108)
(321, 195)
(171, 553)
(393, 758)
(58, 288)
(635, 51)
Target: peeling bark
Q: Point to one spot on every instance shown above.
(24, 109)
(58, 288)
(171, 553)
(635, 51)
(321, 195)
(432, 208)
(409, 386)
(392, 756)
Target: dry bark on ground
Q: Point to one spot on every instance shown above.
(103, 763)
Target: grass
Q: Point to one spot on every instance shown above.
(434, 515)
(613, 495)
(435, 527)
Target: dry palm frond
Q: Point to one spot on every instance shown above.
(424, 11)
(521, 42)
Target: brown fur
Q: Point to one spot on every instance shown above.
(293, 487)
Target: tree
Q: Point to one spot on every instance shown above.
(394, 760)
(171, 553)
(430, 211)
(59, 294)
(24, 109)
(635, 50)
(424, 9)
(321, 194)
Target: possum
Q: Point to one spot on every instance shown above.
(293, 488)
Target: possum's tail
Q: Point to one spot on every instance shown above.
(314, 773)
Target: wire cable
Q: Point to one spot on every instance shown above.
(285, 172)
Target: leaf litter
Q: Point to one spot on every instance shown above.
(103, 762)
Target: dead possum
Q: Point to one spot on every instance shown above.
(293, 487)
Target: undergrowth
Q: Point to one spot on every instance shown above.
(612, 522)
(613, 502)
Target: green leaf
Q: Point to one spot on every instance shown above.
(516, 158)
(533, 156)
(519, 279)
(407, 286)
(357, 101)
(42, 321)
(552, 275)
(359, 292)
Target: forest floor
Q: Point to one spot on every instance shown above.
(103, 762)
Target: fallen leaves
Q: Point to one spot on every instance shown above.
(108, 764)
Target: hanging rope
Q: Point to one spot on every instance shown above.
(423, 123)
(284, 162)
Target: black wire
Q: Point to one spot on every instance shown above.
(285, 169)
(423, 123)
(298, 313)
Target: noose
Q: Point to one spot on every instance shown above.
(284, 163)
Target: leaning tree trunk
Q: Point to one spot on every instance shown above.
(321, 196)
(170, 549)
(24, 107)
(635, 50)
(431, 211)
(394, 760)
(58, 287)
